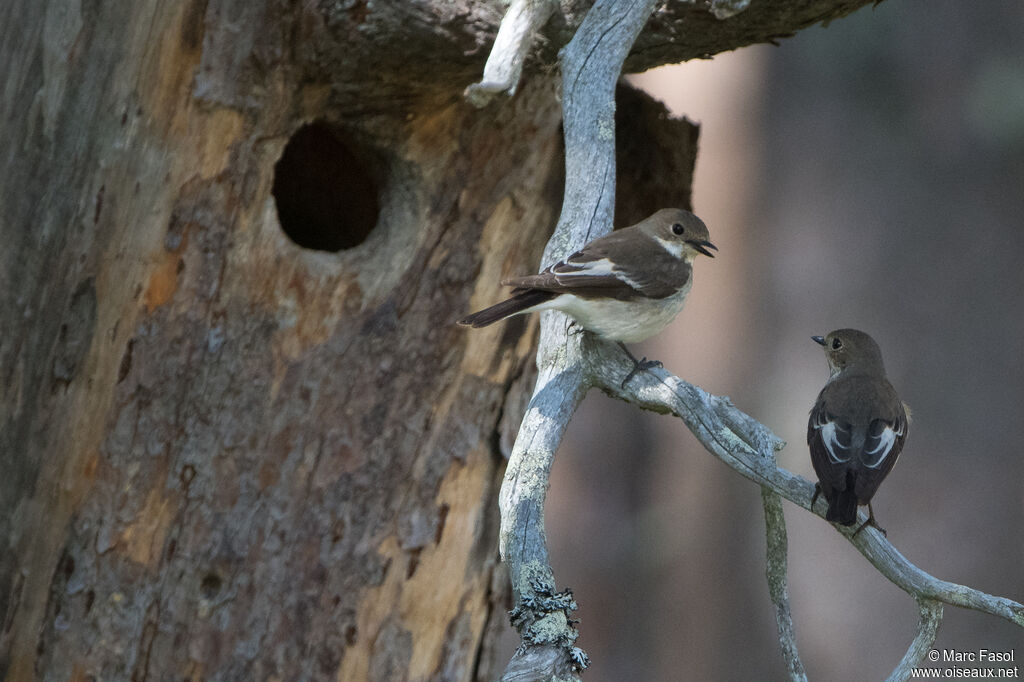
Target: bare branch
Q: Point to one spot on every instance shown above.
(927, 628)
(520, 26)
(917, 583)
(547, 635)
(777, 571)
(591, 66)
(737, 439)
(569, 365)
(734, 437)
(504, 66)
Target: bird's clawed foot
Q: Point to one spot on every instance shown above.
(870, 522)
(814, 497)
(640, 365)
(575, 328)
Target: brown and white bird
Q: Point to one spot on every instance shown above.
(857, 426)
(625, 287)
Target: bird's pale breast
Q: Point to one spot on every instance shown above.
(626, 321)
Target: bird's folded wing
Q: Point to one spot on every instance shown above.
(834, 435)
(830, 443)
(640, 269)
(884, 440)
(882, 448)
(836, 446)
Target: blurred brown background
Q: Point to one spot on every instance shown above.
(871, 175)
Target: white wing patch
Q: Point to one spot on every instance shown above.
(595, 268)
(874, 457)
(589, 268)
(831, 442)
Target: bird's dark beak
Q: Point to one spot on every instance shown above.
(819, 340)
(703, 247)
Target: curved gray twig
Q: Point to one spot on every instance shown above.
(737, 439)
(777, 572)
(569, 365)
(927, 629)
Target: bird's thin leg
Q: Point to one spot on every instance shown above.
(870, 522)
(638, 365)
(814, 498)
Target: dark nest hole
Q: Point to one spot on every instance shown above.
(326, 197)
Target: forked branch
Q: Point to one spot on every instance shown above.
(739, 441)
(927, 629)
(591, 65)
(569, 365)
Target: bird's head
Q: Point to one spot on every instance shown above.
(849, 347)
(681, 232)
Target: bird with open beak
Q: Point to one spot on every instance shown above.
(625, 287)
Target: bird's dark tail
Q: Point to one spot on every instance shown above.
(499, 311)
(842, 508)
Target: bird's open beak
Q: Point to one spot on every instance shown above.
(818, 339)
(703, 247)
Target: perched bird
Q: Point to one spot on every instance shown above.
(624, 287)
(857, 426)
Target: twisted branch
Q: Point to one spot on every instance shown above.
(927, 628)
(740, 441)
(591, 65)
(777, 572)
(569, 365)
(748, 446)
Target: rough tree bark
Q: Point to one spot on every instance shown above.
(227, 456)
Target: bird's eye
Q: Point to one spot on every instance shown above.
(677, 229)
(836, 344)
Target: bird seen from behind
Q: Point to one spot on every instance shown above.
(857, 427)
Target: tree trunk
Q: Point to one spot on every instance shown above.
(241, 436)
(228, 456)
